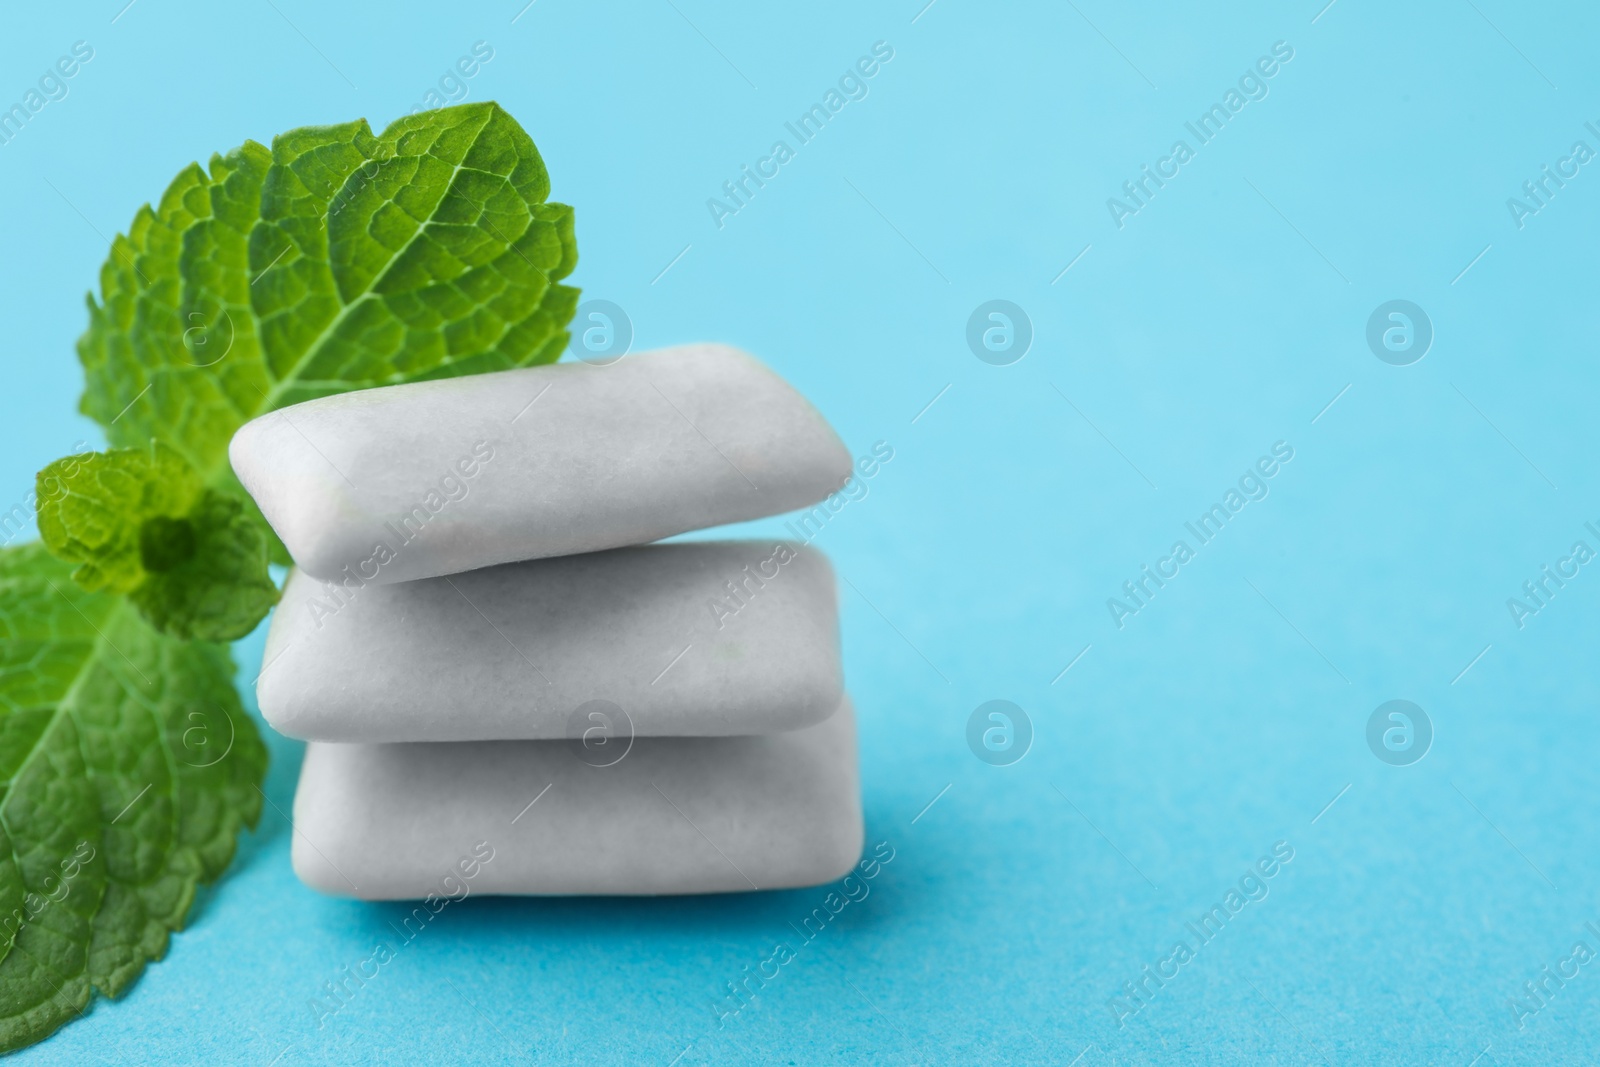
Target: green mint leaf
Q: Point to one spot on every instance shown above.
(138, 521)
(336, 260)
(92, 508)
(127, 769)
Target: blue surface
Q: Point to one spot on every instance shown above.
(1224, 316)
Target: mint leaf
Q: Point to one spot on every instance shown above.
(127, 768)
(138, 521)
(92, 508)
(336, 260)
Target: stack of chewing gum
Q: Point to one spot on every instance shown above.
(481, 644)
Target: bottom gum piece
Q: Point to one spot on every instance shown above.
(671, 815)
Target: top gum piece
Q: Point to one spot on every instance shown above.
(418, 480)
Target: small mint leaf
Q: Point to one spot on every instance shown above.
(93, 508)
(137, 521)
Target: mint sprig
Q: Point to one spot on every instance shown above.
(337, 259)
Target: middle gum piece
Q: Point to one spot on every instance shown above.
(707, 638)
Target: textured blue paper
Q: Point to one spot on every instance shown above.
(1226, 315)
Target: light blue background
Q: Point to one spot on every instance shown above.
(1222, 318)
